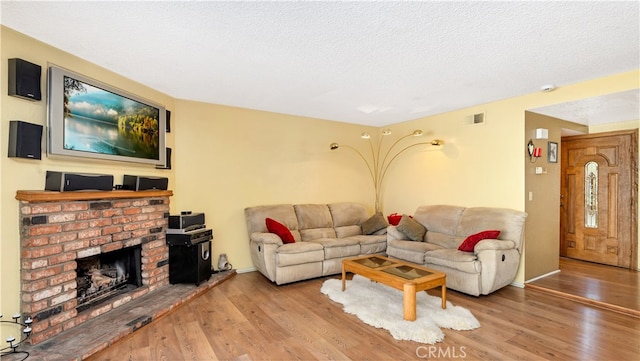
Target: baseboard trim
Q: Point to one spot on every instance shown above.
(517, 284)
(586, 301)
(542, 276)
(246, 270)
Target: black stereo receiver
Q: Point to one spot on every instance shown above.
(189, 238)
(187, 220)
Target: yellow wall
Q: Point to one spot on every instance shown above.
(231, 158)
(632, 124)
(226, 158)
(27, 174)
(480, 164)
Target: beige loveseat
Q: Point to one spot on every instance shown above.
(324, 234)
(491, 265)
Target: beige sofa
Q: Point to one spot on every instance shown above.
(492, 264)
(324, 234)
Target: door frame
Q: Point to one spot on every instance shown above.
(634, 190)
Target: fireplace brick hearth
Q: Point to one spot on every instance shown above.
(59, 227)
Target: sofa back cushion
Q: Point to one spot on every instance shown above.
(347, 218)
(314, 221)
(283, 213)
(441, 222)
(509, 222)
(348, 214)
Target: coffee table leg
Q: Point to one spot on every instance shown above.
(444, 296)
(409, 301)
(344, 278)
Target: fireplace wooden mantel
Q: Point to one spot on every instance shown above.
(51, 196)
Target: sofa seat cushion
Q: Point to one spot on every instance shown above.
(414, 246)
(410, 250)
(453, 258)
(338, 247)
(298, 253)
(370, 244)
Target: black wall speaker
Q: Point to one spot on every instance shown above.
(168, 122)
(62, 181)
(140, 183)
(24, 79)
(25, 140)
(167, 162)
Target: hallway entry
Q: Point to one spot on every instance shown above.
(598, 208)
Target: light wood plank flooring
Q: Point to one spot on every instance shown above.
(249, 318)
(599, 285)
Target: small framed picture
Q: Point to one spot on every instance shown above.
(553, 152)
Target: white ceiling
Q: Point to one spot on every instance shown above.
(374, 63)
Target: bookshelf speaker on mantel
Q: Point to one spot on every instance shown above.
(63, 182)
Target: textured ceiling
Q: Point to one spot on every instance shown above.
(373, 63)
(617, 107)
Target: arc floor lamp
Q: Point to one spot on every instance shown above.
(378, 167)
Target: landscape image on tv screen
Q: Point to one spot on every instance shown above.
(99, 121)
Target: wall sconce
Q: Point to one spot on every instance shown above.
(534, 152)
(378, 166)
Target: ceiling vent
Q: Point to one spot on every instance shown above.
(475, 119)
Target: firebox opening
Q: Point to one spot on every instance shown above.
(107, 275)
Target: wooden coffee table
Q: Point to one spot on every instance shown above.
(407, 277)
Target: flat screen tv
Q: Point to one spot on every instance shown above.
(87, 118)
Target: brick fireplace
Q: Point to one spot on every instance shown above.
(59, 228)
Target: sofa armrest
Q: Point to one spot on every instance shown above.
(394, 234)
(266, 238)
(500, 260)
(493, 244)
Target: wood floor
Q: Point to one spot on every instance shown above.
(603, 286)
(249, 318)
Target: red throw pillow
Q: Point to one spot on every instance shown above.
(471, 241)
(394, 218)
(280, 229)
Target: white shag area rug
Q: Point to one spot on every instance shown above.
(382, 307)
